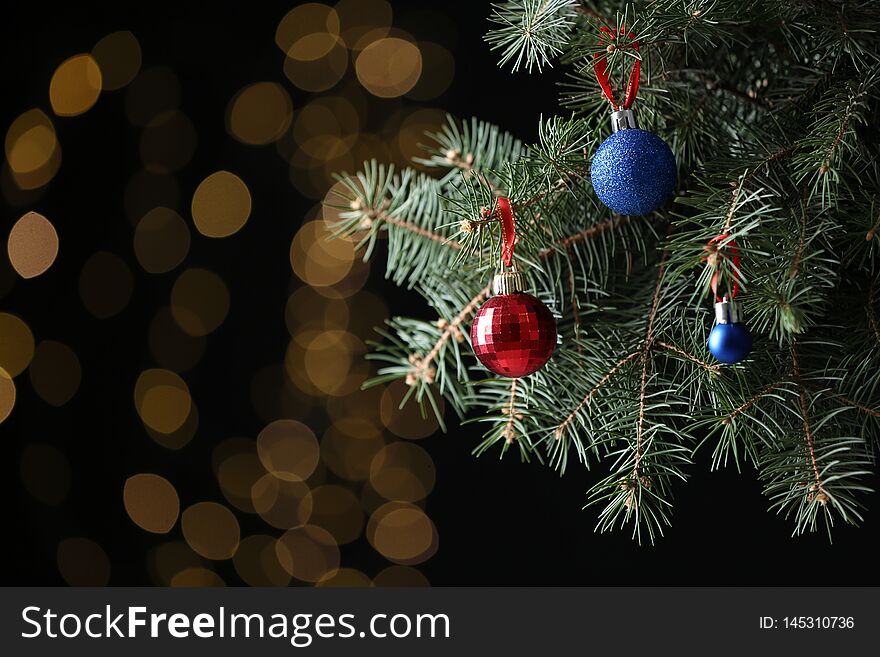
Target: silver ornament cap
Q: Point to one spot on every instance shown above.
(508, 282)
(623, 119)
(726, 311)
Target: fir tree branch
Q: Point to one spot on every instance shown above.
(414, 228)
(593, 231)
(710, 367)
(820, 495)
(509, 431)
(586, 400)
(751, 402)
(872, 312)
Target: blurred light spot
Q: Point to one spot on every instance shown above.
(83, 562)
(346, 578)
(146, 190)
(403, 471)
(179, 438)
(151, 502)
(162, 400)
(75, 85)
(403, 533)
(16, 344)
(168, 559)
(363, 21)
(389, 67)
(211, 530)
(410, 421)
(32, 245)
(304, 21)
(119, 57)
(282, 503)
(55, 372)
(362, 404)
(438, 70)
(309, 553)
(221, 205)
(256, 562)
(168, 142)
(348, 447)
(399, 576)
(173, 348)
(323, 362)
(317, 259)
(152, 92)
(196, 578)
(30, 142)
(105, 284)
(7, 394)
(237, 475)
(161, 240)
(199, 301)
(337, 510)
(288, 449)
(306, 308)
(412, 138)
(45, 473)
(329, 120)
(316, 75)
(260, 113)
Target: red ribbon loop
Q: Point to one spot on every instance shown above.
(600, 66)
(508, 230)
(734, 256)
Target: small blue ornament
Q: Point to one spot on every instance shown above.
(634, 171)
(729, 341)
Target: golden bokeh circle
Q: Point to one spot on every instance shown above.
(211, 530)
(402, 533)
(400, 576)
(16, 344)
(180, 437)
(199, 301)
(303, 21)
(196, 577)
(338, 510)
(151, 502)
(316, 258)
(238, 473)
(75, 85)
(288, 450)
(438, 71)
(161, 240)
(347, 578)
(283, 504)
(105, 284)
(32, 245)
(167, 559)
(45, 473)
(389, 67)
(221, 205)
(348, 447)
(403, 471)
(322, 73)
(31, 142)
(363, 21)
(260, 113)
(306, 308)
(407, 422)
(256, 562)
(162, 400)
(309, 553)
(55, 372)
(7, 395)
(118, 55)
(82, 562)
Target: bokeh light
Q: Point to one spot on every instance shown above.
(363, 21)
(55, 372)
(309, 553)
(411, 421)
(161, 240)
(75, 85)
(402, 533)
(400, 576)
(179, 438)
(260, 113)
(282, 503)
(162, 400)
(7, 394)
(105, 284)
(348, 447)
(317, 260)
(199, 301)
(197, 577)
(345, 578)
(221, 205)
(16, 344)
(118, 55)
(82, 562)
(288, 450)
(338, 510)
(151, 502)
(238, 472)
(389, 67)
(167, 559)
(211, 530)
(32, 245)
(403, 471)
(256, 562)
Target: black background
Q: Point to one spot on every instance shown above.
(500, 522)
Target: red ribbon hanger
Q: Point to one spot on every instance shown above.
(600, 66)
(508, 230)
(734, 256)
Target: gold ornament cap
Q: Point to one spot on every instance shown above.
(508, 282)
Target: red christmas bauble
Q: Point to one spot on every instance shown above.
(514, 334)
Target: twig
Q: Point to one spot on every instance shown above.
(820, 495)
(872, 313)
(509, 431)
(754, 400)
(414, 228)
(593, 231)
(714, 368)
(586, 400)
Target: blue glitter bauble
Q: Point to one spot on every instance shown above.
(730, 343)
(633, 172)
